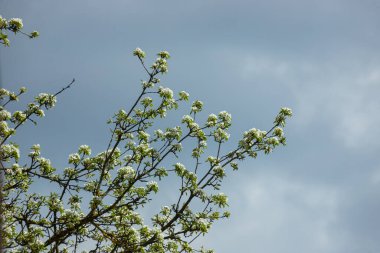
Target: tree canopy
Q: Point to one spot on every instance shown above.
(98, 199)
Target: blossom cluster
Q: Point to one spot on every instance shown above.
(14, 25)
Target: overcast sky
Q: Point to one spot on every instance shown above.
(320, 193)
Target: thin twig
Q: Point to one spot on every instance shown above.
(64, 88)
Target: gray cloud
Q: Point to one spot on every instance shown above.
(318, 194)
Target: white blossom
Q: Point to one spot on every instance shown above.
(139, 53)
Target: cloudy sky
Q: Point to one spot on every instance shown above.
(320, 193)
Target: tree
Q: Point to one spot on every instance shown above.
(99, 198)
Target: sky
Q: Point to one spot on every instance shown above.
(320, 193)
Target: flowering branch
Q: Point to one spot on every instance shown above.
(14, 25)
(100, 197)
